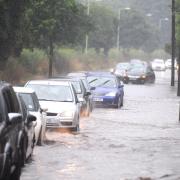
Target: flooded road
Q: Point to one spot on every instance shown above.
(139, 141)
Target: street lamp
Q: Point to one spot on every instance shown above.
(118, 28)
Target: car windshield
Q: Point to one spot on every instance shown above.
(60, 93)
(77, 87)
(137, 70)
(28, 100)
(102, 81)
(123, 66)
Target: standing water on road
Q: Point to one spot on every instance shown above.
(139, 141)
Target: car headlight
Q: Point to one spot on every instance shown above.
(143, 76)
(67, 114)
(111, 94)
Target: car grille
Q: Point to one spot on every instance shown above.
(66, 123)
(51, 114)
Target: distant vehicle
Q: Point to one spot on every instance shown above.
(121, 70)
(108, 90)
(11, 134)
(60, 99)
(158, 65)
(141, 74)
(168, 63)
(30, 99)
(29, 138)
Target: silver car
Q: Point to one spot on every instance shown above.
(59, 97)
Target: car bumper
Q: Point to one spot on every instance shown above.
(54, 122)
(135, 79)
(105, 101)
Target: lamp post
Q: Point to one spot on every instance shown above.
(173, 43)
(118, 28)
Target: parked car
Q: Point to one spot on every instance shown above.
(108, 90)
(60, 99)
(158, 65)
(29, 134)
(141, 75)
(168, 63)
(82, 95)
(30, 99)
(121, 70)
(11, 134)
(83, 76)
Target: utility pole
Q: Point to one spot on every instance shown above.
(173, 43)
(178, 88)
(118, 29)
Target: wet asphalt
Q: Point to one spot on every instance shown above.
(140, 141)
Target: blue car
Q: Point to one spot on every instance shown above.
(108, 90)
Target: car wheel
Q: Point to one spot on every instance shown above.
(119, 103)
(76, 129)
(87, 111)
(17, 172)
(23, 150)
(122, 102)
(39, 141)
(7, 168)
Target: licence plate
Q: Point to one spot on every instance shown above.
(133, 78)
(52, 120)
(98, 99)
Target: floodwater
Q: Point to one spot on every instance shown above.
(140, 141)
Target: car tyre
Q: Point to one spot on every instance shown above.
(40, 139)
(17, 172)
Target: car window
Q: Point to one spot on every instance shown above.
(11, 101)
(62, 93)
(28, 100)
(77, 87)
(102, 81)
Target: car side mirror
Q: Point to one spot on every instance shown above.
(80, 99)
(92, 88)
(31, 118)
(43, 110)
(14, 118)
(87, 93)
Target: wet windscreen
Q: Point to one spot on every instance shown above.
(102, 81)
(77, 87)
(59, 93)
(28, 100)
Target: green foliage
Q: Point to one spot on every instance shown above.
(31, 59)
(104, 33)
(11, 27)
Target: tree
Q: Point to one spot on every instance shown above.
(11, 27)
(135, 32)
(55, 23)
(104, 33)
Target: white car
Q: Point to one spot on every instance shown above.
(31, 101)
(158, 65)
(60, 99)
(169, 62)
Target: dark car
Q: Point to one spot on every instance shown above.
(29, 129)
(11, 134)
(108, 89)
(140, 74)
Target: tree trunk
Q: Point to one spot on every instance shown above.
(51, 58)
